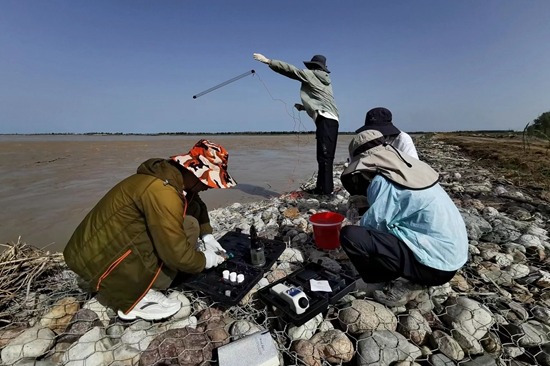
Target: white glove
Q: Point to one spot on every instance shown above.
(211, 243)
(212, 259)
(261, 58)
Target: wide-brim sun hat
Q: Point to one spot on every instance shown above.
(371, 155)
(379, 119)
(208, 162)
(318, 60)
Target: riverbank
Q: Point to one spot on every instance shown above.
(519, 157)
(493, 312)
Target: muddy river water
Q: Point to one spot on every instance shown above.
(48, 183)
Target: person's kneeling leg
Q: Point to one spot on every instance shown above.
(375, 255)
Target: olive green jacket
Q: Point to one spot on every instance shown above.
(136, 229)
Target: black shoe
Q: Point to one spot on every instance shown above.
(398, 293)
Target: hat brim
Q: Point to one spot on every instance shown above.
(211, 175)
(312, 63)
(385, 128)
(352, 166)
(400, 168)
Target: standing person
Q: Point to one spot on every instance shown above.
(380, 119)
(318, 102)
(145, 230)
(412, 228)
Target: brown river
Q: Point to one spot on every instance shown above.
(48, 183)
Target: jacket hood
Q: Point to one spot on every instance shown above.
(323, 76)
(164, 170)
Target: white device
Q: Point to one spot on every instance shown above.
(295, 297)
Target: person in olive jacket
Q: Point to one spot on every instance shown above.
(145, 230)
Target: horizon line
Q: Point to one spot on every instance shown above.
(234, 133)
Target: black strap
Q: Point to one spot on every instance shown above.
(368, 145)
(402, 158)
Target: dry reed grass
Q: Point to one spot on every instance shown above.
(24, 269)
(525, 161)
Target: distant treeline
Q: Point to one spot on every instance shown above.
(485, 131)
(540, 126)
(235, 133)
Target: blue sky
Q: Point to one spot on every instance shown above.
(133, 66)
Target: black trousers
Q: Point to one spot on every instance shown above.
(382, 257)
(326, 134)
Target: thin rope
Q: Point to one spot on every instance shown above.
(298, 126)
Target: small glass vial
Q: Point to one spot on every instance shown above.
(225, 275)
(257, 254)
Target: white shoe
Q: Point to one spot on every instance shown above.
(151, 308)
(161, 298)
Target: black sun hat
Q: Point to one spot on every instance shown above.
(318, 60)
(379, 119)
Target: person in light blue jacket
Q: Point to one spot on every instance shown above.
(412, 228)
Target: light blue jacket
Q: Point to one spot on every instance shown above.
(427, 220)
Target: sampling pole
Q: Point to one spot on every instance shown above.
(223, 84)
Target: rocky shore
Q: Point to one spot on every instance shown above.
(495, 311)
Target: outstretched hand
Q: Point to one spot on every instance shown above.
(261, 58)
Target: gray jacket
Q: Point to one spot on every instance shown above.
(316, 89)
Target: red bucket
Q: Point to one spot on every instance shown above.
(326, 229)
